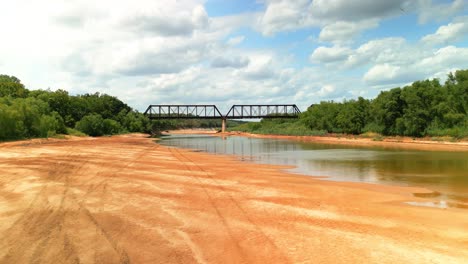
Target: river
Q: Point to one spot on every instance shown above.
(445, 173)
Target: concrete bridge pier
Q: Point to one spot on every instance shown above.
(223, 125)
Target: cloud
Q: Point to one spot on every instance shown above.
(355, 10)
(152, 39)
(445, 59)
(142, 56)
(73, 21)
(451, 32)
(234, 62)
(430, 11)
(326, 90)
(235, 40)
(207, 86)
(261, 67)
(330, 54)
(284, 15)
(386, 50)
(164, 23)
(383, 73)
(347, 18)
(344, 32)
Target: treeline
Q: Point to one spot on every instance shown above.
(45, 113)
(425, 108)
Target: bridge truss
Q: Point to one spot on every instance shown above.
(183, 112)
(263, 111)
(212, 112)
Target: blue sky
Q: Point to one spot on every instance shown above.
(232, 52)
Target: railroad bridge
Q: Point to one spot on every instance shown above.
(212, 112)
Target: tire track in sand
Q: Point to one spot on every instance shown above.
(229, 230)
(260, 233)
(42, 222)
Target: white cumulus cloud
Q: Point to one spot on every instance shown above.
(456, 30)
(345, 32)
(330, 54)
(431, 65)
(436, 11)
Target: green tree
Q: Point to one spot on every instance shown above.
(387, 109)
(421, 99)
(26, 118)
(136, 122)
(92, 125)
(105, 105)
(12, 86)
(111, 127)
(353, 115)
(322, 116)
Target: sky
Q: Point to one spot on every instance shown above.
(227, 52)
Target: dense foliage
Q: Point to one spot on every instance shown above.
(425, 108)
(278, 127)
(44, 113)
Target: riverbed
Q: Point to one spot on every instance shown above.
(126, 199)
(445, 173)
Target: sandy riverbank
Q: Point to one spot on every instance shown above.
(125, 199)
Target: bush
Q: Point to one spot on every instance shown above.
(74, 132)
(46, 127)
(135, 122)
(92, 125)
(27, 118)
(111, 127)
(279, 127)
(460, 132)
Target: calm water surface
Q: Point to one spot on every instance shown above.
(446, 173)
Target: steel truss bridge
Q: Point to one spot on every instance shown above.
(212, 112)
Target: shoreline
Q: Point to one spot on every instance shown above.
(126, 198)
(388, 142)
(436, 197)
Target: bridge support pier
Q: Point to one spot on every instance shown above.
(223, 125)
